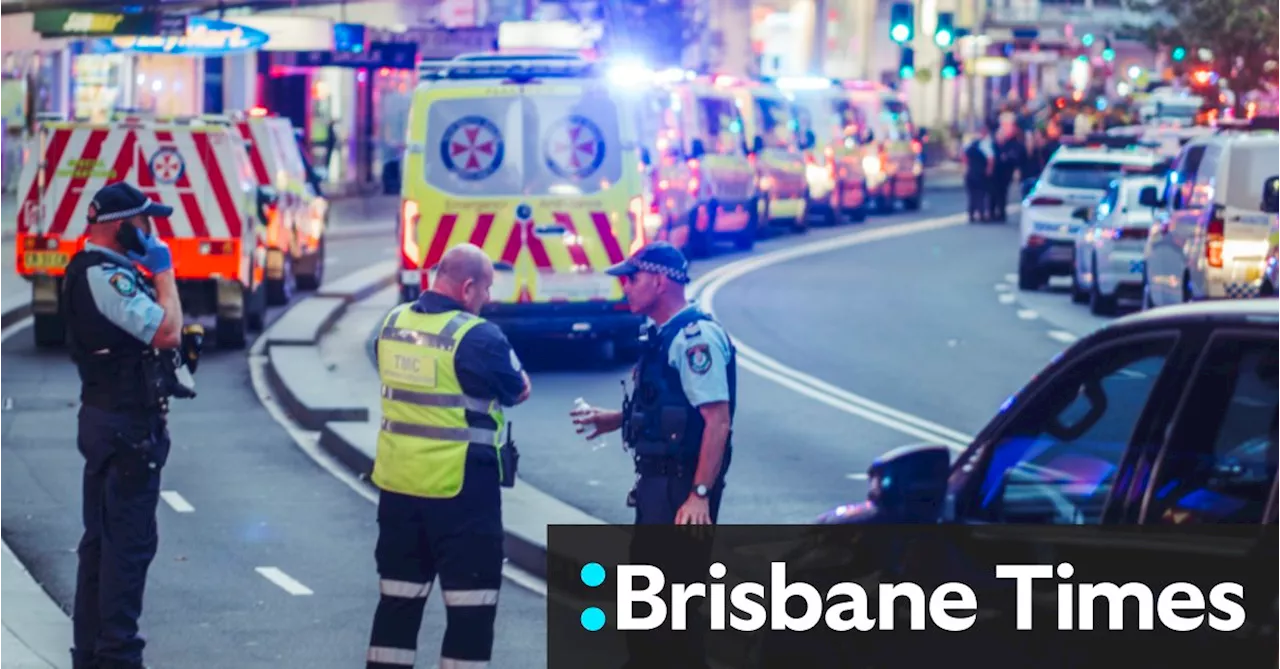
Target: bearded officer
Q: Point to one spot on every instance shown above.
(441, 462)
(121, 329)
(679, 417)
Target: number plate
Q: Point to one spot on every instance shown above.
(45, 259)
(575, 287)
(1061, 253)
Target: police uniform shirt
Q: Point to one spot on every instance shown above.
(118, 297)
(701, 354)
(486, 365)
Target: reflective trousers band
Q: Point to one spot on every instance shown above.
(406, 589)
(443, 341)
(431, 400)
(470, 597)
(397, 656)
(450, 663)
(472, 435)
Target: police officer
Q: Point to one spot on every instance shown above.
(119, 327)
(441, 462)
(679, 417)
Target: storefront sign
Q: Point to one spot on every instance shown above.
(203, 37)
(68, 22)
(380, 54)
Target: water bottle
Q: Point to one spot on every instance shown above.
(581, 405)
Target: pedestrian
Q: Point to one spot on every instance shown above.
(119, 327)
(441, 462)
(1010, 157)
(679, 417)
(978, 165)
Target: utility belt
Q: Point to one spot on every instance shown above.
(135, 381)
(670, 466)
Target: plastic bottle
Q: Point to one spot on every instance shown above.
(581, 405)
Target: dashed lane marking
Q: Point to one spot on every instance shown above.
(1007, 298)
(1063, 336)
(1011, 278)
(1028, 314)
(285, 581)
(856, 476)
(1003, 287)
(176, 501)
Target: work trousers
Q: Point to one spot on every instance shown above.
(124, 455)
(976, 188)
(683, 555)
(457, 539)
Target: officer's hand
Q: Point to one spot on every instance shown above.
(694, 511)
(157, 257)
(602, 421)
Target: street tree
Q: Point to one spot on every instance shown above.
(1241, 35)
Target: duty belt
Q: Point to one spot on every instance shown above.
(653, 465)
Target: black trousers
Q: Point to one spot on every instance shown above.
(124, 455)
(976, 189)
(998, 195)
(460, 541)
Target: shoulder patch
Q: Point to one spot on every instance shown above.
(692, 330)
(124, 284)
(699, 356)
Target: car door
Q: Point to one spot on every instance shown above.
(1168, 261)
(1088, 233)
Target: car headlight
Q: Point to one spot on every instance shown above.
(871, 164)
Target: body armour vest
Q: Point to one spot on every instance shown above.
(659, 419)
(110, 361)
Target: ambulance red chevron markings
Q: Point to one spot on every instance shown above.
(522, 236)
(71, 197)
(57, 145)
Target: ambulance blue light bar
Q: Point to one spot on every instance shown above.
(506, 66)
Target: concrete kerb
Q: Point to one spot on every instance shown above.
(14, 315)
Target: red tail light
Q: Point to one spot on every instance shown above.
(1045, 201)
(1215, 236)
(410, 255)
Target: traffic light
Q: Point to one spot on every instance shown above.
(1087, 39)
(1108, 53)
(1179, 54)
(950, 66)
(907, 66)
(945, 34)
(902, 23)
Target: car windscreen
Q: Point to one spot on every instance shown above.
(1249, 169)
(777, 125)
(535, 144)
(1091, 175)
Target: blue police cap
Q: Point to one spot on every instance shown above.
(120, 201)
(657, 257)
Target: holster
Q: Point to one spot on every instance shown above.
(134, 457)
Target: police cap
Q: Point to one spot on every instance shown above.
(657, 257)
(120, 201)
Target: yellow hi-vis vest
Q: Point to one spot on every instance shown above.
(424, 438)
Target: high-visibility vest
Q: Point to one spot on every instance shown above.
(425, 434)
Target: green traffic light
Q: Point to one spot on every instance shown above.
(900, 33)
(1108, 54)
(907, 72)
(943, 38)
(1179, 54)
(1087, 40)
(948, 73)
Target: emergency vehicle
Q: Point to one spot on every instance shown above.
(669, 202)
(196, 166)
(775, 148)
(831, 128)
(533, 158)
(893, 162)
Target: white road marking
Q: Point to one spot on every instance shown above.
(16, 328)
(285, 581)
(1003, 287)
(856, 476)
(1007, 298)
(1011, 278)
(177, 501)
(1028, 314)
(1063, 336)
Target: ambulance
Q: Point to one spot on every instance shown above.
(199, 167)
(775, 149)
(533, 158)
(831, 127)
(892, 160)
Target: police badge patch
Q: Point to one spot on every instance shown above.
(124, 284)
(699, 358)
(692, 330)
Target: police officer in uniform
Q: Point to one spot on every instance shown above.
(441, 461)
(123, 332)
(679, 417)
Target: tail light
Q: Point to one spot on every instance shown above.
(1035, 240)
(410, 255)
(1045, 201)
(218, 248)
(1215, 236)
(829, 154)
(636, 211)
(695, 177)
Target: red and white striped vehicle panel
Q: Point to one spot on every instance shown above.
(201, 172)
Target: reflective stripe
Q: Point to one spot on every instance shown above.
(470, 597)
(430, 400)
(417, 338)
(398, 656)
(407, 589)
(472, 435)
(450, 663)
(460, 319)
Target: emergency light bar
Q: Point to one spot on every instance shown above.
(1103, 140)
(502, 66)
(1255, 124)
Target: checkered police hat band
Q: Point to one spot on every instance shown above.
(677, 274)
(117, 215)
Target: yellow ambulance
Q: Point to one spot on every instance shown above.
(533, 158)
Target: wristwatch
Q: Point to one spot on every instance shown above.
(700, 490)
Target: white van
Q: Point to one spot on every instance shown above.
(1212, 222)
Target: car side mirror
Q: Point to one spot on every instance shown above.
(1270, 201)
(1149, 196)
(646, 158)
(697, 149)
(906, 485)
(809, 140)
(267, 197)
(1081, 214)
(757, 144)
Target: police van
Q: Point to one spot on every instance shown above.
(532, 158)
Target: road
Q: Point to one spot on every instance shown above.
(916, 322)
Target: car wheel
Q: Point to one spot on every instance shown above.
(1029, 278)
(1078, 294)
